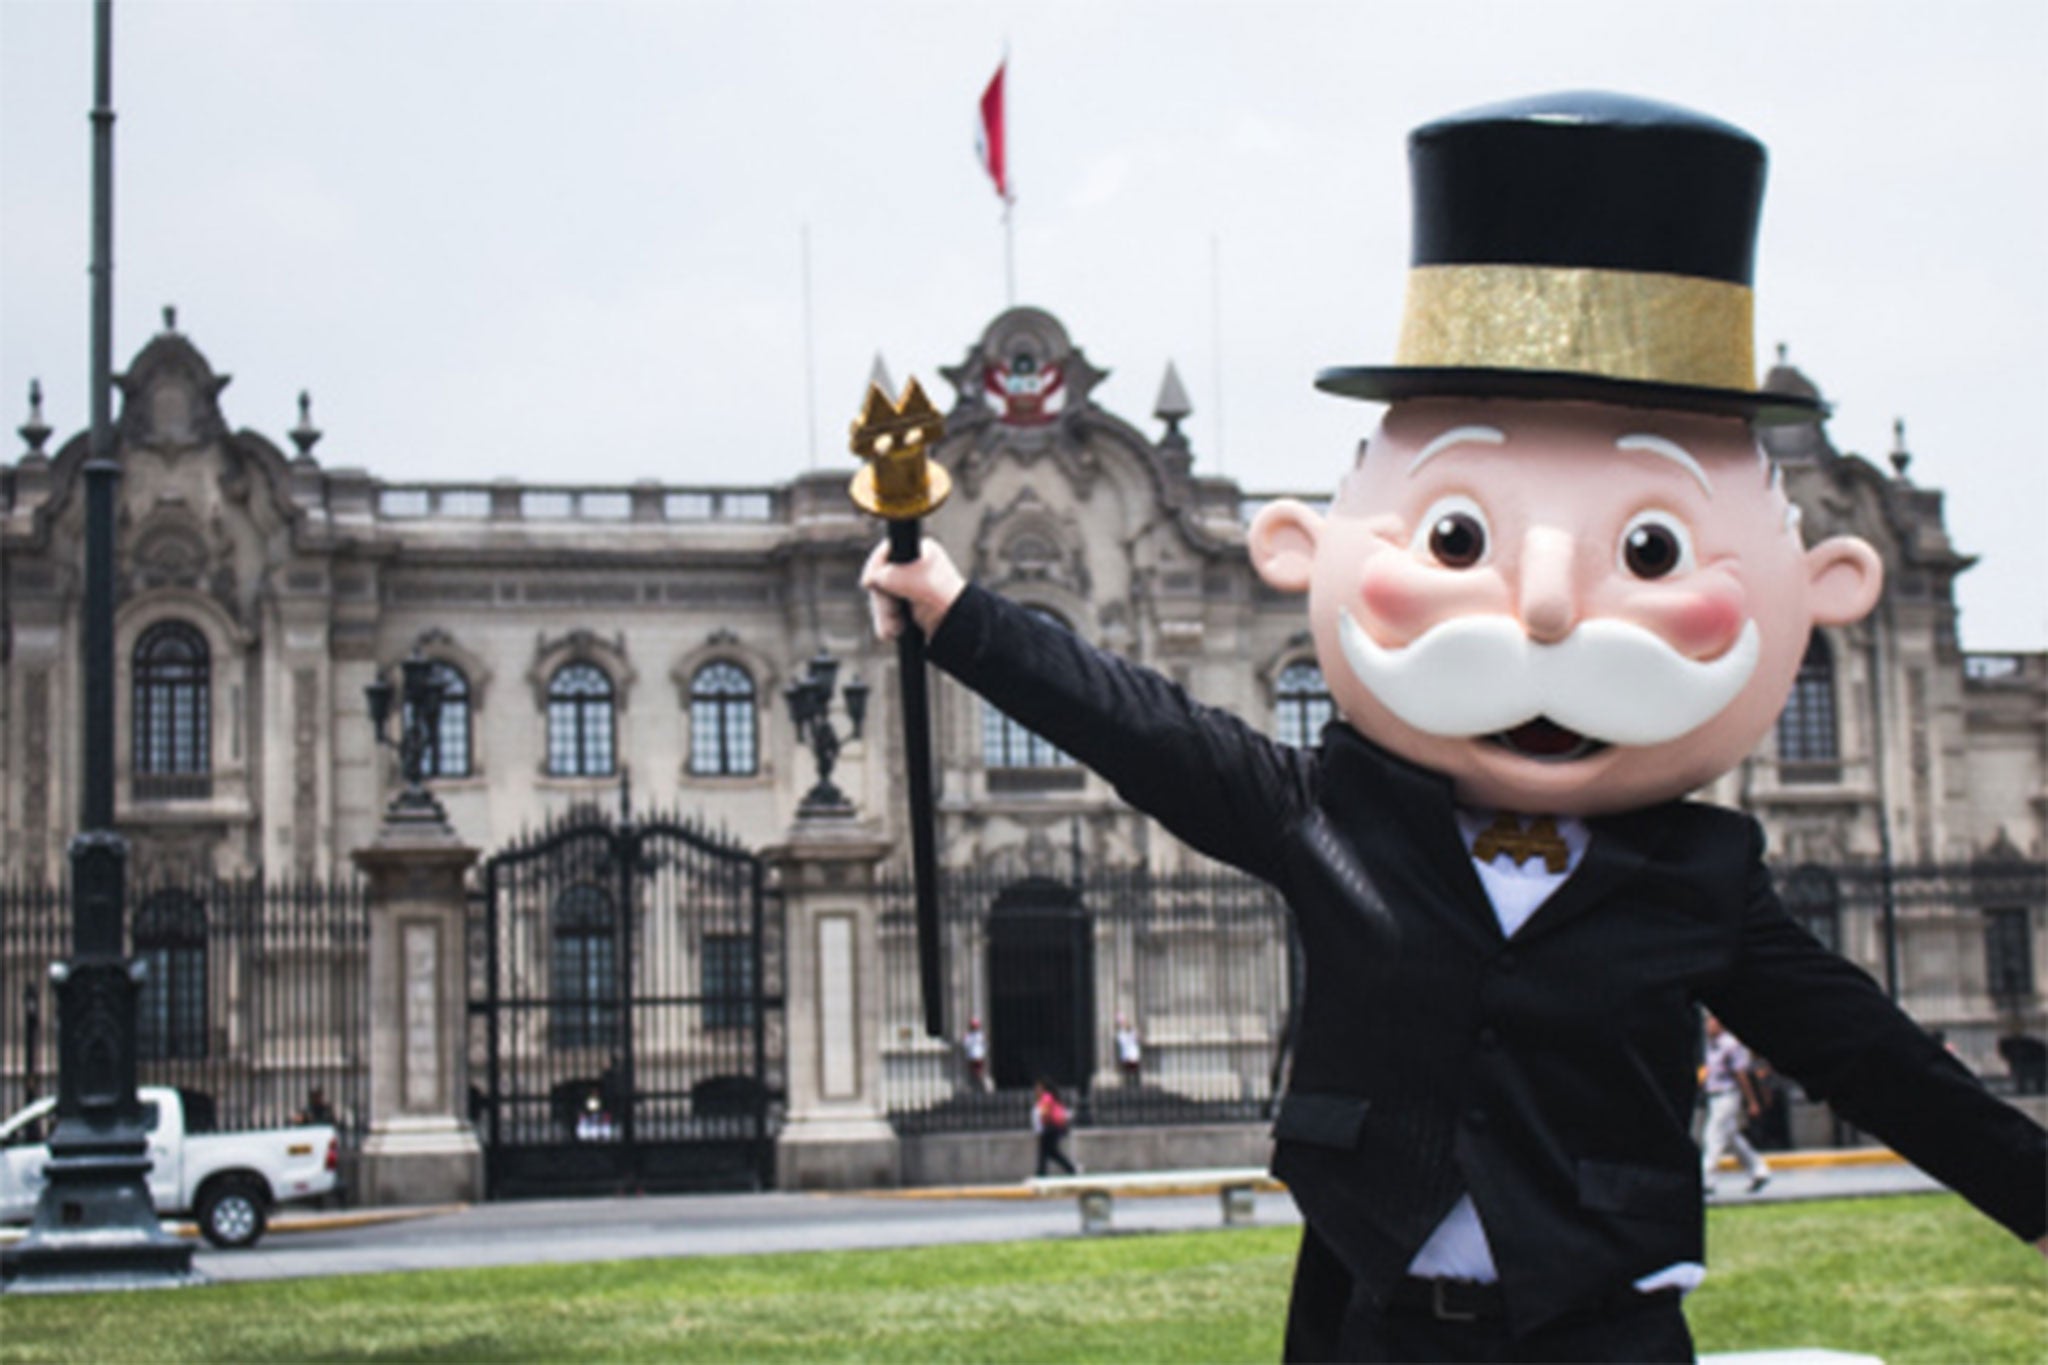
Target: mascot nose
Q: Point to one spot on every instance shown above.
(1548, 607)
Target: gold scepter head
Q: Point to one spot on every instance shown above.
(899, 482)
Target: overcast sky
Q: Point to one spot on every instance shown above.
(565, 241)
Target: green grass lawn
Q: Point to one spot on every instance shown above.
(1910, 1279)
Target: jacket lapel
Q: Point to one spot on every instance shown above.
(1411, 836)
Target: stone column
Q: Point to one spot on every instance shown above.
(836, 1134)
(420, 1148)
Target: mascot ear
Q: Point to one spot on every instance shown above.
(1282, 541)
(1843, 578)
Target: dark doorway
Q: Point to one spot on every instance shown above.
(1041, 972)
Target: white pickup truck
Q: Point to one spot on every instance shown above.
(228, 1182)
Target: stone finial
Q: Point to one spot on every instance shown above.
(305, 435)
(170, 317)
(35, 431)
(1900, 456)
(1782, 348)
(1171, 407)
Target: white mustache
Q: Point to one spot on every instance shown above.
(1608, 680)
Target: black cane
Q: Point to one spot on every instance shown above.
(905, 540)
(901, 484)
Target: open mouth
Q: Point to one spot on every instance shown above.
(1546, 741)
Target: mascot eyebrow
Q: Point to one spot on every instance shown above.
(1668, 449)
(1492, 436)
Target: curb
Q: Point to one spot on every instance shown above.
(338, 1220)
(341, 1219)
(1810, 1160)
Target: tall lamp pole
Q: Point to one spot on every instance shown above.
(94, 1224)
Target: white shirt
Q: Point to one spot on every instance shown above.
(1458, 1249)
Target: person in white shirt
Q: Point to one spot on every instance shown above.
(1731, 1098)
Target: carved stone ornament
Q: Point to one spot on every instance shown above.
(1027, 542)
(1023, 390)
(171, 398)
(169, 551)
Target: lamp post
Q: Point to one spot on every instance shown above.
(95, 1226)
(418, 728)
(810, 708)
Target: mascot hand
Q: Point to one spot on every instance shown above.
(929, 585)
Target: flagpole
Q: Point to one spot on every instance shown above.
(1216, 338)
(810, 357)
(1009, 191)
(1009, 252)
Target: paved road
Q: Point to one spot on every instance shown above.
(555, 1231)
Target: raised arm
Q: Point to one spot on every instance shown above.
(1211, 779)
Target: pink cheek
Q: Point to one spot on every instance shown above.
(1394, 600)
(1402, 599)
(1704, 624)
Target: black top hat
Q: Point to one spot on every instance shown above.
(1582, 245)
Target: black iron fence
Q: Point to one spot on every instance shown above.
(1193, 967)
(1960, 944)
(1198, 967)
(254, 997)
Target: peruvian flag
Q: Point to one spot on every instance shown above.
(988, 136)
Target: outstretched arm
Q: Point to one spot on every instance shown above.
(1823, 1021)
(1211, 779)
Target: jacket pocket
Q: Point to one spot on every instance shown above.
(1639, 1191)
(1324, 1120)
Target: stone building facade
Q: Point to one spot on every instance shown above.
(593, 637)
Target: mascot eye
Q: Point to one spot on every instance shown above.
(1655, 545)
(1453, 533)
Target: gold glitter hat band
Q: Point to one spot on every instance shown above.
(1639, 338)
(1610, 324)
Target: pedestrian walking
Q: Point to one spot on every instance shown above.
(1731, 1098)
(1050, 1120)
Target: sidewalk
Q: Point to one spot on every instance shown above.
(318, 1242)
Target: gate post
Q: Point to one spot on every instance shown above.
(420, 1148)
(836, 1133)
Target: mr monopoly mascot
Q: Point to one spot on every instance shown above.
(1561, 588)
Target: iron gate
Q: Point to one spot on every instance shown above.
(626, 1017)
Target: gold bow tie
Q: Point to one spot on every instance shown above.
(1540, 839)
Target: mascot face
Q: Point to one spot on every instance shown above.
(1567, 608)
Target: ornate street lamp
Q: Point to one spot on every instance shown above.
(94, 1225)
(418, 729)
(810, 707)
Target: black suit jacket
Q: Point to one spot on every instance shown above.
(1551, 1075)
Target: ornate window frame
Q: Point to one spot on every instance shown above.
(609, 657)
(1812, 717)
(227, 645)
(723, 646)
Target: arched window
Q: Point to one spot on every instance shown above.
(584, 969)
(170, 941)
(580, 722)
(1301, 703)
(1807, 747)
(448, 755)
(173, 737)
(1008, 747)
(723, 721)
